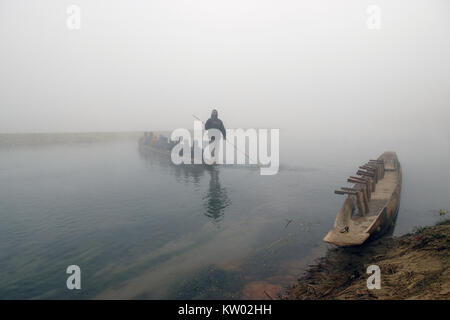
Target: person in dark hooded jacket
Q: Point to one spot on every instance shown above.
(215, 123)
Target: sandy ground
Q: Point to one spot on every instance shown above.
(414, 266)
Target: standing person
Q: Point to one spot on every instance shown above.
(215, 123)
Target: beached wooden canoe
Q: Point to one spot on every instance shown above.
(371, 205)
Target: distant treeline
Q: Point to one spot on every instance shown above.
(27, 139)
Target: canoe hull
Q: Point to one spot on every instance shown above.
(165, 149)
(349, 230)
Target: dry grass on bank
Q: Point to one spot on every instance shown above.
(414, 266)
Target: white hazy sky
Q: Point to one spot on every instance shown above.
(140, 65)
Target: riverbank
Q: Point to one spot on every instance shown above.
(413, 266)
(42, 139)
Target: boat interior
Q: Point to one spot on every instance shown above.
(366, 200)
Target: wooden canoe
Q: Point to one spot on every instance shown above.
(152, 146)
(164, 148)
(362, 217)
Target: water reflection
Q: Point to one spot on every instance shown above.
(216, 199)
(185, 173)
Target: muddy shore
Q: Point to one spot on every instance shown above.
(413, 266)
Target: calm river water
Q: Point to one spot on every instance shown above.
(141, 228)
